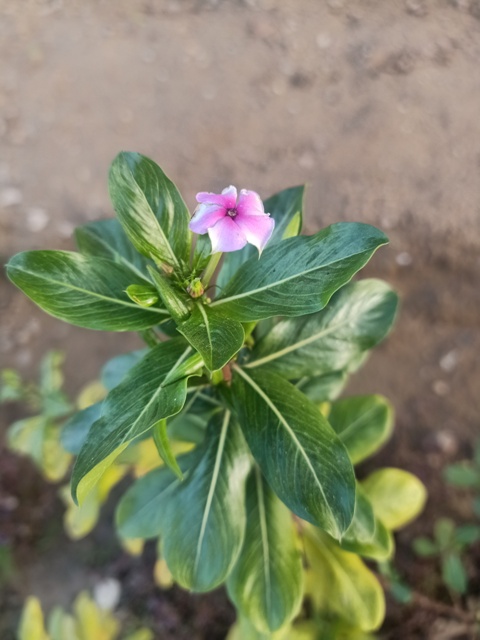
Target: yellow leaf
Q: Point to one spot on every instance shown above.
(341, 584)
(161, 574)
(90, 480)
(90, 394)
(80, 520)
(133, 546)
(56, 460)
(397, 497)
(32, 625)
(92, 622)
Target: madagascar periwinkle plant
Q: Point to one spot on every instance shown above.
(251, 332)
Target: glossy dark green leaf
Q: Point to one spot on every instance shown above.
(107, 239)
(201, 520)
(115, 370)
(216, 337)
(364, 424)
(75, 430)
(266, 585)
(300, 455)
(153, 389)
(299, 275)
(85, 291)
(150, 209)
(177, 302)
(357, 318)
(286, 208)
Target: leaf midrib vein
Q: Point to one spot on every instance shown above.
(272, 285)
(211, 490)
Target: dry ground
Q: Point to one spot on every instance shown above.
(374, 104)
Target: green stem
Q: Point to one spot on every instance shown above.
(210, 268)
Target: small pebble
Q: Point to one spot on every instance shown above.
(107, 593)
(449, 361)
(404, 259)
(441, 388)
(37, 219)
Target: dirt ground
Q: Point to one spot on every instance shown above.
(374, 104)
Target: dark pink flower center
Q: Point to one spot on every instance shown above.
(232, 213)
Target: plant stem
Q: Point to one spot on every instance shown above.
(210, 268)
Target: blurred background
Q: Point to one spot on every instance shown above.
(375, 105)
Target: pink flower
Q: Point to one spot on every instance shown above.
(231, 223)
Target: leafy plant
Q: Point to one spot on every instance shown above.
(236, 394)
(39, 436)
(87, 622)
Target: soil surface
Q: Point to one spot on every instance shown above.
(374, 104)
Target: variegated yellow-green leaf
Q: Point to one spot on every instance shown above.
(341, 584)
(266, 584)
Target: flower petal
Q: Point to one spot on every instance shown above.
(227, 199)
(250, 204)
(226, 236)
(206, 216)
(257, 229)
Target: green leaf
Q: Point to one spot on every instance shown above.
(453, 573)
(364, 423)
(462, 474)
(202, 253)
(11, 386)
(467, 534)
(301, 457)
(425, 547)
(177, 302)
(286, 208)
(87, 292)
(142, 294)
(55, 404)
(107, 239)
(367, 536)
(150, 209)
(397, 496)
(444, 531)
(201, 520)
(216, 337)
(357, 318)
(343, 585)
(324, 387)
(140, 511)
(164, 449)
(76, 429)
(299, 275)
(115, 370)
(153, 389)
(266, 585)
